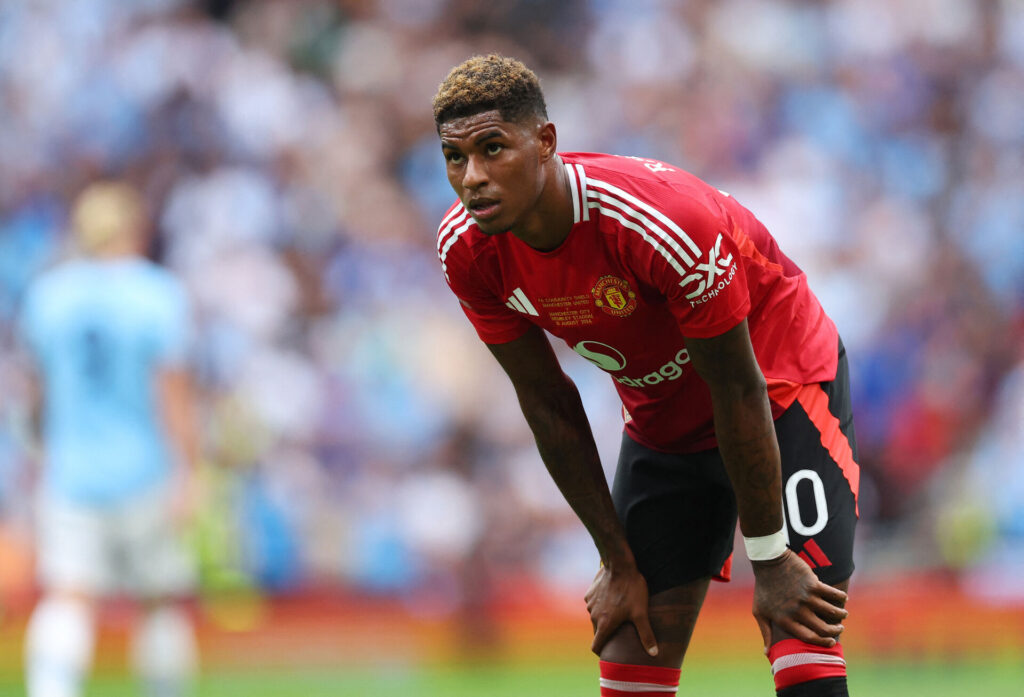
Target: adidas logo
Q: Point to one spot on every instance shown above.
(520, 303)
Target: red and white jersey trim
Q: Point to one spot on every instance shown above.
(578, 185)
(453, 225)
(668, 231)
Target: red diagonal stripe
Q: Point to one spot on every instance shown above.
(815, 402)
(803, 555)
(818, 555)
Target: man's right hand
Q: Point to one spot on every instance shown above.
(789, 596)
(615, 597)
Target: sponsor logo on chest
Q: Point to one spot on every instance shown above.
(611, 360)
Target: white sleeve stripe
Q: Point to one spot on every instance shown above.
(583, 191)
(448, 245)
(651, 210)
(577, 200)
(446, 227)
(643, 233)
(454, 212)
(623, 686)
(801, 659)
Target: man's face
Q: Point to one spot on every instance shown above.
(494, 167)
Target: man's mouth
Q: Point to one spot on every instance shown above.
(483, 207)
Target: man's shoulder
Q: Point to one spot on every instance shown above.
(456, 227)
(645, 181)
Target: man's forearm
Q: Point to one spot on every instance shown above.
(566, 444)
(750, 451)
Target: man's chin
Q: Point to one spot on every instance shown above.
(490, 227)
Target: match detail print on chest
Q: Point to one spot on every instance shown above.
(609, 295)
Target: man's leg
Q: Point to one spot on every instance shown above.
(160, 574)
(820, 485)
(73, 570)
(680, 516)
(629, 671)
(164, 650)
(806, 670)
(59, 645)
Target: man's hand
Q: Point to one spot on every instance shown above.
(788, 595)
(616, 597)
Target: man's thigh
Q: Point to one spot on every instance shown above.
(152, 552)
(73, 550)
(678, 511)
(820, 477)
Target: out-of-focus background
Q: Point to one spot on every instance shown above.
(373, 502)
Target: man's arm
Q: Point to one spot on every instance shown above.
(177, 408)
(553, 409)
(787, 594)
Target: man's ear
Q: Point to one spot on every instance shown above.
(548, 139)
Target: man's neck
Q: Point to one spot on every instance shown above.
(551, 220)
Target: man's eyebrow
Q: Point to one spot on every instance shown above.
(492, 133)
(477, 139)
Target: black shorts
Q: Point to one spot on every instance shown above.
(679, 511)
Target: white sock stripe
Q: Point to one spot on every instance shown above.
(623, 686)
(801, 659)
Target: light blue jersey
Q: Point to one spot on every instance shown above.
(101, 331)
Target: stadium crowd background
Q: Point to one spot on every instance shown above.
(358, 436)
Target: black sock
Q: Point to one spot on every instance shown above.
(826, 687)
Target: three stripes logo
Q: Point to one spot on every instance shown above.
(520, 303)
(813, 555)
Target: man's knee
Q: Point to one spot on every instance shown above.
(673, 616)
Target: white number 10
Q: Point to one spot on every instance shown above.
(796, 518)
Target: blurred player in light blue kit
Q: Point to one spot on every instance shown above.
(109, 334)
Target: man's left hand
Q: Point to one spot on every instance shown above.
(789, 596)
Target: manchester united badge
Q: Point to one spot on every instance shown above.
(614, 296)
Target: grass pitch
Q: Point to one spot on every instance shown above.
(996, 679)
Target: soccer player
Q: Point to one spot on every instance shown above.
(732, 378)
(109, 337)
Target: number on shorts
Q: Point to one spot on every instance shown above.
(792, 507)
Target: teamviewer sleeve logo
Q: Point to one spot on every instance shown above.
(709, 278)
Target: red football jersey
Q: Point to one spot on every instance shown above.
(654, 255)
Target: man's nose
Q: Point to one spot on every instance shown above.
(475, 175)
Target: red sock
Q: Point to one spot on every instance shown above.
(794, 661)
(623, 680)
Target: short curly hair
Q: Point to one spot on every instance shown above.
(489, 82)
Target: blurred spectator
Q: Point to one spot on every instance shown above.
(108, 334)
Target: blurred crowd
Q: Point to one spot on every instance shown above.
(356, 431)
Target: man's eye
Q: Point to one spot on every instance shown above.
(454, 157)
(494, 148)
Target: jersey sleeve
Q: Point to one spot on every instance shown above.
(495, 322)
(695, 262)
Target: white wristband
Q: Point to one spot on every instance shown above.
(767, 547)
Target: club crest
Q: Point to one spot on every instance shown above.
(614, 296)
